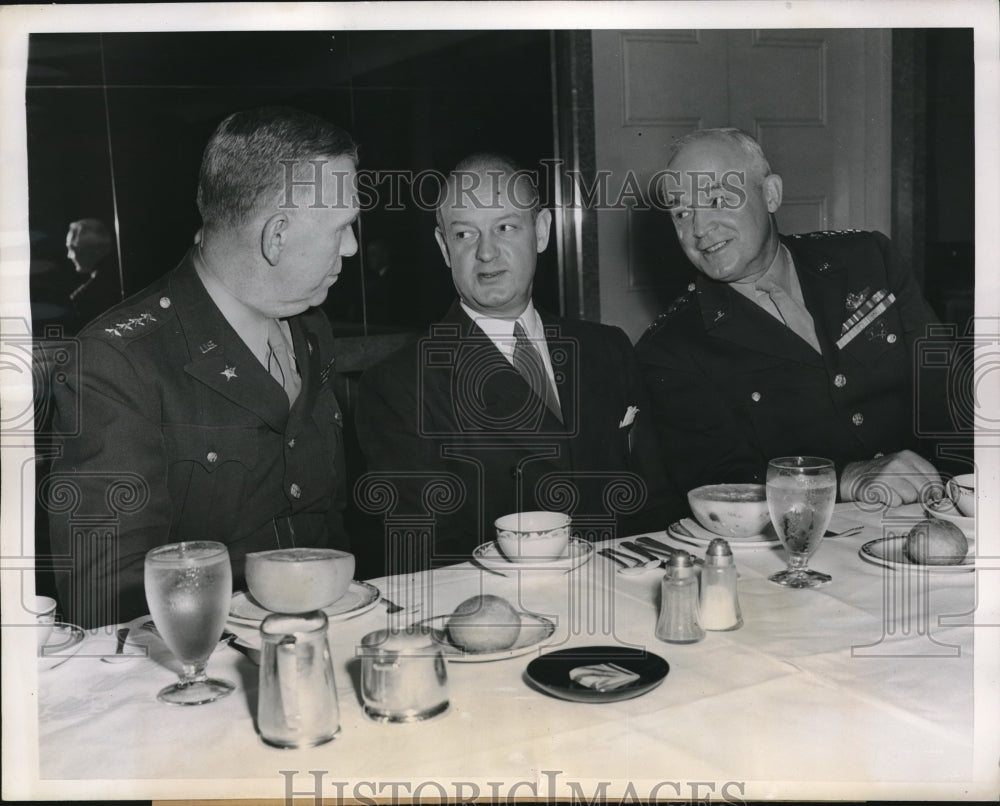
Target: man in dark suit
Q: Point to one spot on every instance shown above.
(205, 402)
(782, 345)
(500, 407)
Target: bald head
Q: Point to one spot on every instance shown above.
(484, 179)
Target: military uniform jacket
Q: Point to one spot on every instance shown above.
(184, 435)
(451, 428)
(732, 387)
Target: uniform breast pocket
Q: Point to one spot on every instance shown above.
(211, 447)
(209, 475)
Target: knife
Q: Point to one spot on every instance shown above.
(655, 545)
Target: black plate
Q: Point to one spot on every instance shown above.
(550, 672)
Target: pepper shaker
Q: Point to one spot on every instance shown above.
(720, 604)
(679, 621)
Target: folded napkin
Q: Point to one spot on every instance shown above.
(603, 676)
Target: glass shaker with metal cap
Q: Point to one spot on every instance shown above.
(720, 604)
(679, 621)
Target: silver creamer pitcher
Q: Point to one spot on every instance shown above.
(403, 675)
(297, 705)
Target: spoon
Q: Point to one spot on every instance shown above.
(119, 649)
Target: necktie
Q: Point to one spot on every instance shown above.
(796, 317)
(280, 362)
(529, 364)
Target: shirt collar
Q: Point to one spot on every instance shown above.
(501, 331)
(781, 270)
(250, 325)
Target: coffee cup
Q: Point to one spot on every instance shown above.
(962, 491)
(45, 618)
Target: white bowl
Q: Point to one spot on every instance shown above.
(533, 536)
(730, 510)
(962, 490)
(298, 580)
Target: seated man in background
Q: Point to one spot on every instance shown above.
(205, 401)
(502, 407)
(783, 345)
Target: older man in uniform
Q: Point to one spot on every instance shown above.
(206, 403)
(782, 345)
(505, 406)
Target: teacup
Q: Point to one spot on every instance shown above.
(962, 491)
(533, 536)
(45, 617)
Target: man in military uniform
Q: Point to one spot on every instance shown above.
(782, 345)
(503, 408)
(205, 401)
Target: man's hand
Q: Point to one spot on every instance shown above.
(899, 478)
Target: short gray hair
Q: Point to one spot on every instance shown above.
(243, 162)
(756, 160)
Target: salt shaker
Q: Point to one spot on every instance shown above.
(720, 605)
(679, 621)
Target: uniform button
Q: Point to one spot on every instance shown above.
(858, 418)
(891, 338)
(295, 490)
(212, 457)
(755, 397)
(840, 381)
(691, 286)
(338, 416)
(291, 443)
(164, 302)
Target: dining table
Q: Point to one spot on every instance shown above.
(865, 687)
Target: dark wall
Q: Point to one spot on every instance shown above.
(117, 124)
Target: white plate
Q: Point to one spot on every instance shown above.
(577, 553)
(62, 643)
(945, 510)
(689, 531)
(534, 630)
(360, 598)
(890, 552)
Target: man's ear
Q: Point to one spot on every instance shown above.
(543, 223)
(439, 237)
(772, 192)
(274, 237)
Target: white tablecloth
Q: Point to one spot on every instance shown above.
(859, 689)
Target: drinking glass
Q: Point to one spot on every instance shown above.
(801, 491)
(188, 588)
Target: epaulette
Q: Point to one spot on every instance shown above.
(683, 301)
(825, 233)
(130, 321)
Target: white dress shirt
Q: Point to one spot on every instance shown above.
(501, 333)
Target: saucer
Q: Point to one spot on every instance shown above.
(551, 672)
(490, 557)
(944, 509)
(360, 598)
(64, 638)
(690, 531)
(890, 552)
(534, 630)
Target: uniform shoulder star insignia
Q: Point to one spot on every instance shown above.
(681, 302)
(828, 233)
(128, 323)
(229, 373)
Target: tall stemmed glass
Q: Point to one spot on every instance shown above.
(188, 588)
(801, 491)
